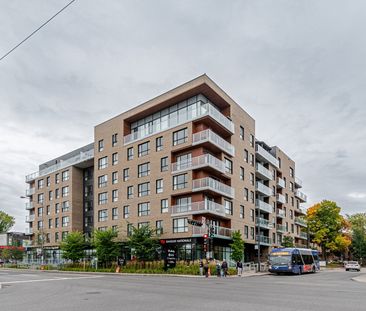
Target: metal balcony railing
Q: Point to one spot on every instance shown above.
(264, 155)
(298, 182)
(281, 198)
(264, 223)
(281, 183)
(281, 213)
(300, 195)
(303, 235)
(209, 183)
(267, 191)
(263, 172)
(263, 206)
(28, 231)
(29, 218)
(220, 232)
(30, 191)
(29, 205)
(281, 228)
(199, 208)
(264, 240)
(198, 162)
(210, 136)
(300, 221)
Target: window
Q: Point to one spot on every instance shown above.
(164, 164)
(287, 226)
(252, 179)
(241, 133)
(40, 211)
(114, 140)
(102, 198)
(159, 186)
(114, 195)
(180, 181)
(126, 174)
(143, 169)
(129, 192)
(242, 214)
(251, 140)
(142, 224)
(159, 143)
(40, 183)
(291, 186)
(114, 213)
(48, 181)
(292, 201)
(64, 235)
(102, 228)
(252, 233)
(164, 206)
(65, 191)
(65, 221)
(286, 197)
(143, 149)
(246, 194)
(115, 158)
(65, 206)
(65, 175)
(291, 214)
(115, 228)
(291, 172)
(57, 178)
(50, 195)
(144, 189)
(180, 137)
(57, 223)
(242, 173)
(57, 208)
(246, 232)
(102, 181)
(114, 178)
(252, 214)
(252, 196)
(228, 166)
(57, 193)
(252, 159)
(102, 215)
(180, 225)
(246, 155)
(100, 145)
(40, 198)
(48, 210)
(102, 163)
(129, 229)
(57, 236)
(228, 207)
(126, 211)
(279, 162)
(130, 154)
(143, 209)
(159, 227)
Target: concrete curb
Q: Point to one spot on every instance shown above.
(360, 278)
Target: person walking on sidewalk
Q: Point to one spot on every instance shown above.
(224, 268)
(201, 267)
(239, 267)
(218, 268)
(206, 268)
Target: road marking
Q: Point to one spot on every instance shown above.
(54, 279)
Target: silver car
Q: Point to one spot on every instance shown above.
(352, 265)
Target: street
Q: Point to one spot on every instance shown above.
(39, 291)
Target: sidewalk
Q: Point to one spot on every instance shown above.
(360, 278)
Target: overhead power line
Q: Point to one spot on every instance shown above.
(35, 31)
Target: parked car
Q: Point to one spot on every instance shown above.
(352, 265)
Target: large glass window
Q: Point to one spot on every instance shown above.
(180, 137)
(143, 149)
(180, 225)
(65, 221)
(65, 191)
(164, 166)
(102, 215)
(144, 209)
(102, 181)
(143, 169)
(65, 175)
(144, 189)
(180, 181)
(102, 198)
(102, 163)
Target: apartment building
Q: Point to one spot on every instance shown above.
(190, 153)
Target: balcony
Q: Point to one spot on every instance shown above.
(300, 221)
(201, 109)
(281, 183)
(196, 208)
(29, 205)
(264, 223)
(301, 196)
(211, 137)
(263, 240)
(29, 218)
(263, 172)
(205, 160)
(30, 191)
(213, 185)
(303, 235)
(81, 157)
(298, 182)
(263, 189)
(263, 155)
(281, 228)
(281, 198)
(263, 206)
(219, 232)
(301, 211)
(28, 231)
(281, 213)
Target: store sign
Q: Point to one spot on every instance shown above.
(173, 241)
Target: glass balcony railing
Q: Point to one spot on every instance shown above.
(301, 196)
(29, 218)
(281, 183)
(281, 198)
(28, 231)
(200, 110)
(201, 207)
(300, 221)
(221, 232)
(263, 172)
(209, 183)
(263, 206)
(265, 190)
(303, 235)
(264, 240)
(298, 182)
(198, 162)
(264, 155)
(30, 191)
(210, 136)
(29, 205)
(281, 213)
(264, 223)
(281, 228)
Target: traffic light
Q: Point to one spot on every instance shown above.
(212, 232)
(205, 236)
(205, 242)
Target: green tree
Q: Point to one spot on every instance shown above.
(288, 241)
(143, 242)
(6, 222)
(6, 254)
(106, 246)
(73, 246)
(326, 226)
(237, 246)
(358, 232)
(17, 253)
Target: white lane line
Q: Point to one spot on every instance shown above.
(54, 279)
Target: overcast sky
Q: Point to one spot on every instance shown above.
(297, 67)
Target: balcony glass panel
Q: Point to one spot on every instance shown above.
(212, 137)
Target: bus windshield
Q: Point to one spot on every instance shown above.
(280, 260)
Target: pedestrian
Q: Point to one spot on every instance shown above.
(205, 268)
(239, 267)
(224, 268)
(218, 268)
(201, 267)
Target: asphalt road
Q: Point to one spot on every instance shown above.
(39, 291)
